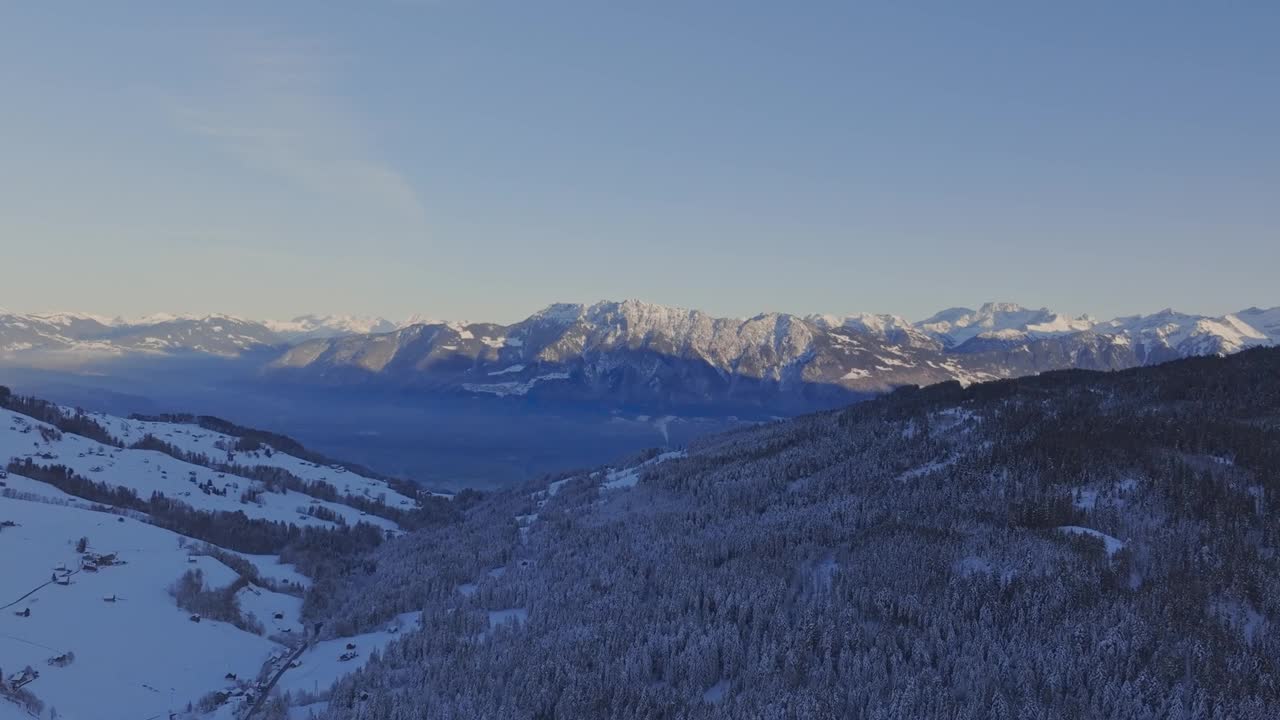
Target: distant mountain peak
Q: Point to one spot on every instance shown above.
(636, 351)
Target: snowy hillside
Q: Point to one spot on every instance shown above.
(1070, 545)
(148, 471)
(129, 650)
(88, 600)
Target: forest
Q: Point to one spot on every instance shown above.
(1074, 544)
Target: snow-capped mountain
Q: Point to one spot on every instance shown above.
(1001, 321)
(635, 353)
(305, 327)
(1266, 322)
(638, 353)
(90, 336)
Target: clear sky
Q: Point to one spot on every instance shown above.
(477, 159)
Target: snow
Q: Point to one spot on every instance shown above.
(1086, 499)
(320, 666)
(628, 477)
(1001, 321)
(1112, 544)
(136, 657)
(506, 389)
(265, 605)
(10, 711)
(1242, 616)
(512, 369)
(140, 655)
(27, 489)
(146, 471)
(321, 326)
(1196, 334)
(973, 565)
(307, 712)
(515, 616)
(714, 695)
(270, 567)
(925, 469)
(1266, 322)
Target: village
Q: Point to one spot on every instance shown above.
(88, 622)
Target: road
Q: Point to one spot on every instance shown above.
(266, 691)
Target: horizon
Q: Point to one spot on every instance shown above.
(427, 318)
(479, 160)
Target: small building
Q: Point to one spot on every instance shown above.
(195, 618)
(17, 680)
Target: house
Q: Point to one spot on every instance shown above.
(230, 676)
(351, 646)
(17, 680)
(278, 616)
(195, 618)
(349, 655)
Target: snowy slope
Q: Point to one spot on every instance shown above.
(147, 471)
(135, 651)
(1169, 333)
(322, 663)
(139, 656)
(321, 326)
(958, 325)
(195, 439)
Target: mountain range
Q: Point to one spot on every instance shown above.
(632, 353)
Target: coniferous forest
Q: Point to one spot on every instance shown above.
(1070, 545)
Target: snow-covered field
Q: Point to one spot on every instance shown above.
(133, 652)
(323, 664)
(1111, 544)
(136, 654)
(147, 471)
(195, 439)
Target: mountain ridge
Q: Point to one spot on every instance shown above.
(636, 353)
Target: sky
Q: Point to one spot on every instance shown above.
(477, 159)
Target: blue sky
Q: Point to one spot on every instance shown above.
(479, 159)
